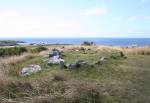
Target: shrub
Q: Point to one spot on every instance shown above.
(12, 51)
(88, 43)
(38, 49)
(118, 55)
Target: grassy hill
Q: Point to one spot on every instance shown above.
(120, 80)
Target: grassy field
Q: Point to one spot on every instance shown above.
(120, 80)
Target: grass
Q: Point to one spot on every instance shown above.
(139, 50)
(120, 80)
(38, 49)
(12, 51)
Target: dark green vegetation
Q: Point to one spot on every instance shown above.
(19, 50)
(38, 49)
(12, 51)
(88, 43)
(125, 78)
(9, 42)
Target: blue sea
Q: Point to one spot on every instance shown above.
(98, 41)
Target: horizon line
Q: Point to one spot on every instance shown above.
(71, 37)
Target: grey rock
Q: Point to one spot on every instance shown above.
(55, 52)
(72, 66)
(103, 60)
(55, 60)
(80, 63)
(30, 69)
(62, 64)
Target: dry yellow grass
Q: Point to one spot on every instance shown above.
(6, 62)
(138, 50)
(5, 66)
(135, 50)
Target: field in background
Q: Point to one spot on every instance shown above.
(120, 80)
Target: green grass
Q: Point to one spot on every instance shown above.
(12, 51)
(121, 80)
(38, 49)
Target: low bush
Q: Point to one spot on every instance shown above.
(12, 51)
(87, 43)
(118, 55)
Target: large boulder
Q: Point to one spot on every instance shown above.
(55, 60)
(30, 69)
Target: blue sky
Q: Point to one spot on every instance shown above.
(74, 18)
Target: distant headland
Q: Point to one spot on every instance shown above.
(10, 42)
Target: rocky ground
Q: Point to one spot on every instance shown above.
(77, 74)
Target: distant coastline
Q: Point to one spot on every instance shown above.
(10, 42)
(78, 41)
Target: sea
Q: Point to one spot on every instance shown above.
(77, 41)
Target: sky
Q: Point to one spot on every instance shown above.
(75, 18)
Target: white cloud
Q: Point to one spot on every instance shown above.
(21, 24)
(132, 18)
(95, 11)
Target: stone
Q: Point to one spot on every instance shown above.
(30, 69)
(103, 60)
(66, 65)
(62, 64)
(80, 63)
(72, 66)
(55, 52)
(55, 60)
